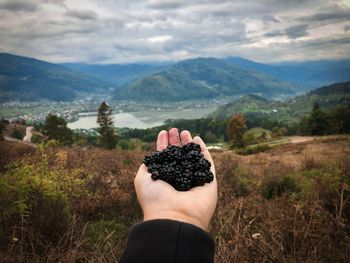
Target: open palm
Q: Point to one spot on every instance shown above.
(159, 200)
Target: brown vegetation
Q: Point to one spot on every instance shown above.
(288, 204)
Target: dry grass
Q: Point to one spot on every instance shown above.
(246, 227)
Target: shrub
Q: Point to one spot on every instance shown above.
(242, 186)
(253, 149)
(274, 186)
(125, 144)
(36, 203)
(17, 134)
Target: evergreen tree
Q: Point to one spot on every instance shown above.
(55, 127)
(236, 128)
(2, 128)
(339, 119)
(317, 121)
(108, 138)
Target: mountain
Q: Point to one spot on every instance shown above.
(117, 74)
(328, 97)
(307, 75)
(28, 79)
(202, 78)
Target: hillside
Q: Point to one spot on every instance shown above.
(117, 74)
(327, 97)
(308, 74)
(28, 79)
(203, 78)
(275, 204)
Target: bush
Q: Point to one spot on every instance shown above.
(36, 203)
(253, 149)
(242, 186)
(274, 186)
(17, 134)
(125, 144)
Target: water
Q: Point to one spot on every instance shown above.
(141, 120)
(120, 120)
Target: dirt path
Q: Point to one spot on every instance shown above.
(10, 139)
(300, 139)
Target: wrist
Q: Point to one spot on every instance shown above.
(173, 215)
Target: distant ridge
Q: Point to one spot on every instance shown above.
(117, 74)
(29, 79)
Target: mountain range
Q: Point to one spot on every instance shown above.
(307, 75)
(29, 79)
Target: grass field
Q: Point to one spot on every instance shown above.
(289, 203)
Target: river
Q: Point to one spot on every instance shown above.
(141, 120)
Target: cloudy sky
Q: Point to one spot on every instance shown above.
(126, 31)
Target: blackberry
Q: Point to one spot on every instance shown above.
(182, 167)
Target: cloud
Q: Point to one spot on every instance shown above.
(331, 13)
(109, 31)
(297, 31)
(82, 14)
(18, 5)
(169, 4)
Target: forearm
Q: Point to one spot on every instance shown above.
(168, 241)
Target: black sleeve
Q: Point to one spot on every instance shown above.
(168, 241)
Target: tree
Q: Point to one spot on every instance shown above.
(55, 127)
(17, 133)
(2, 128)
(316, 123)
(108, 138)
(339, 119)
(236, 128)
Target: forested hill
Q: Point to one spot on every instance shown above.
(328, 97)
(203, 78)
(28, 79)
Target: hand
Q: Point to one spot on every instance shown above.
(159, 200)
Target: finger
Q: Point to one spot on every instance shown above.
(162, 140)
(204, 149)
(174, 137)
(185, 137)
(140, 175)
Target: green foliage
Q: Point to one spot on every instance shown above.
(278, 132)
(2, 128)
(273, 186)
(17, 133)
(210, 137)
(317, 121)
(252, 149)
(125, 144)
(242, 186)
(320, 123)
(39, 199)
(339, 120)
(55, 127)
(256, 135)
(108, 138)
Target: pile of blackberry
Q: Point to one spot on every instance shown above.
(182, 167)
